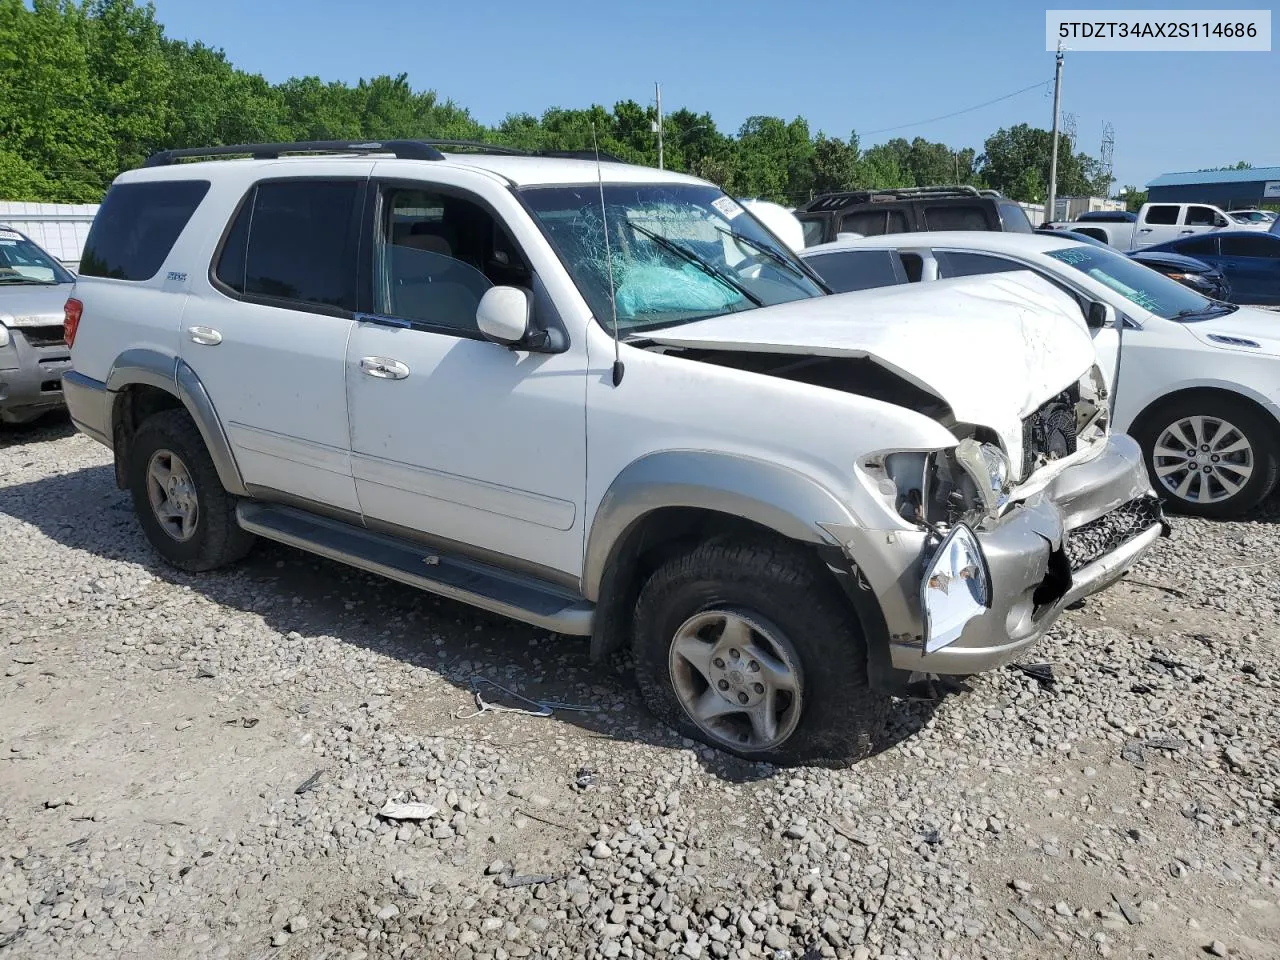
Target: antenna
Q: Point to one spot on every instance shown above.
(618, 368)
(1107, 155)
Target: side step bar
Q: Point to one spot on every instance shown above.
(459, 578)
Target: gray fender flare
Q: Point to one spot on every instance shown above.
(769, 494)
(171, 374)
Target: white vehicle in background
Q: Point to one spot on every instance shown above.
(781, 222)
(1195, 381)
(1155, 223)
(1252, 216)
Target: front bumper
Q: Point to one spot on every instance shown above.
(1036, 569)
(31, 373)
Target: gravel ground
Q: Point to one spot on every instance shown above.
(194, 767)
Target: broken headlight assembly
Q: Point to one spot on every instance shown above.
(965, 483)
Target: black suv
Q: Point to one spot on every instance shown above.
(909, 210)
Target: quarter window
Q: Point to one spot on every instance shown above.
(955, 264)
(294, 240)
(136, 227)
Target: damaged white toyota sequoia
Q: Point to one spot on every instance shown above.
(606, 401)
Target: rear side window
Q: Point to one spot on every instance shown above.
(972, 264)
(813, 230)
(956, 216)
(1250, 247)
(874, 223)
(859, 269)
(136, 227)
(1162, 213)
(1015, 218)
(294, 240)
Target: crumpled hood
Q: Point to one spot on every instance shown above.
(1247, 323)
(29, 305)
(994, 348)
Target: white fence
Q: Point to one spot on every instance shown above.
(61, 228)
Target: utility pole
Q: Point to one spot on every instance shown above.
(657, 126)
(1053, 156)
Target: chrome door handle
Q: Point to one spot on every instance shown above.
(205, 335)
(384, 368)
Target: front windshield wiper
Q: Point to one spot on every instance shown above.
(690, 257)
(42, 283)
(802, 269)
(1214, 307)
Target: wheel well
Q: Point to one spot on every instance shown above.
(133, 405)
(1142, 421)
(646, 545)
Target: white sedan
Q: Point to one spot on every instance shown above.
(1195, 381)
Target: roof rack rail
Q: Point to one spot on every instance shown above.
(479, 146)
(845, 198)
(403, 149)
(579, 155)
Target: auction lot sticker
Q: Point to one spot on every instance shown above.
(1158, 30)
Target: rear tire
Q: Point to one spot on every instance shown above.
(181, 505)
(749, 646)
(1210, 455)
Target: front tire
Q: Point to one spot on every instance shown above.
(1209, 455)
(751, 648)
(181, 505)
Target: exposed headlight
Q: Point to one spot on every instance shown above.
(5, 335)
(989, 468)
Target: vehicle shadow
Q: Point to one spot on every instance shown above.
(295, 591)
(55, 425)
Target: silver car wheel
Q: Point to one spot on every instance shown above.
(738, 678)
(172, 495)
(1203, 459)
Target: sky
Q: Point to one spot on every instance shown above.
(844, 65)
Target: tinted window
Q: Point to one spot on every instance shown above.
(1199, 245)
(859, 269)
(1015, 218)
(956, 216)
(136, 227)
(1201, 216)
(1250, 247)
(972, 264)
(1162, 213)
(813, 231)
(1138, 284)
(295, 240)
(873, 223)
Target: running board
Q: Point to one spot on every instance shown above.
(458, 578)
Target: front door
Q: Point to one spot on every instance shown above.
(269, 339)
(453, 436)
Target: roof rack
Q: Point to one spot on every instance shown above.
(403, 149)
(846, 198)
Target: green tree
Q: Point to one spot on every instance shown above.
(1016, 162)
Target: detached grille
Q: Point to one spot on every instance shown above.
(50, 336)
(1099, 537)
(1050, 432)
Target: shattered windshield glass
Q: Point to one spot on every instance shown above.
(1147, 288)
(679, 252)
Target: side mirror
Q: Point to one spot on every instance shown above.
(1221, 222)
(503, 315)
(1101, 315)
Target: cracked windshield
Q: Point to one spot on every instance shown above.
(676, 253)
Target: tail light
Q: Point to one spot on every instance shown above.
(71, 312)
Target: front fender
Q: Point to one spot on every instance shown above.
(765, 493)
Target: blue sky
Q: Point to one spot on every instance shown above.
(843, 64)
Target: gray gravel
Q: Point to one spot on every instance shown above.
(193, 767)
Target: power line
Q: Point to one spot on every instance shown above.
(948, 116)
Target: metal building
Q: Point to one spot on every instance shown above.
(1228, 189)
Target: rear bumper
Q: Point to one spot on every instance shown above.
(30, 375)
(1036, 567)
(89, 403)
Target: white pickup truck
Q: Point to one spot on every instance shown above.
(1155, 223)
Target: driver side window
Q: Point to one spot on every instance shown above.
(435, 256)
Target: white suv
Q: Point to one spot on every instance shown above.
(604, 400)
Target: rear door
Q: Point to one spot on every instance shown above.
(1157, 224)
(1252, 265)
(269, 338)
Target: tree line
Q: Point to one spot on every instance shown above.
(89, 89)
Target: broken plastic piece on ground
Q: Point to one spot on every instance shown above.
(1042, 673)
(308, 783)
(528, 879)
(584, 778)
(1171, 744)
(1028, 920)
(247, 722)
(1132, 751)
(535, 708)
(392, 810)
